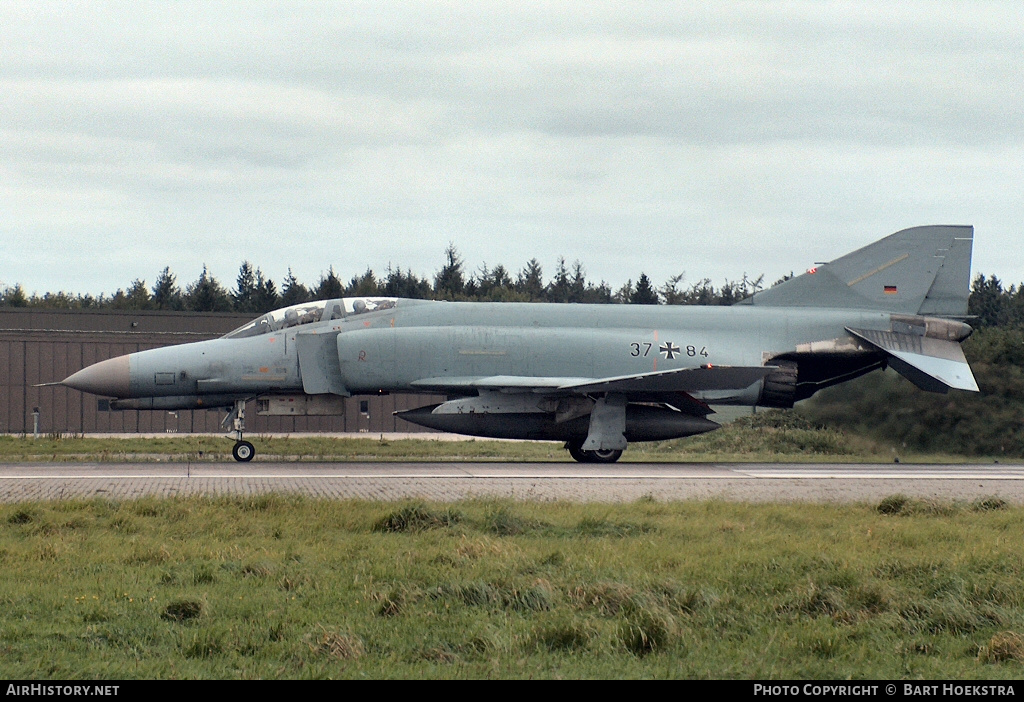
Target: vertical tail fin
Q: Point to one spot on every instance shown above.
(921, 270)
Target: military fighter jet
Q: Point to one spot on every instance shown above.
(594, 376)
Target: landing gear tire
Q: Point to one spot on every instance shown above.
(243, 451)
(598, 456)
(606, 456)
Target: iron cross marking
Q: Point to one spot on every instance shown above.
(669, 350)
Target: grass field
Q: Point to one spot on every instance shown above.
(276, 587)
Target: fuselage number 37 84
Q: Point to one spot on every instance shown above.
(668, 350)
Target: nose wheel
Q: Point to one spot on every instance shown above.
(242, 451)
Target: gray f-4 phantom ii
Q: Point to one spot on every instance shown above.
(594, 376)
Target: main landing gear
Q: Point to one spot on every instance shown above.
(596, 456)
(243, 451)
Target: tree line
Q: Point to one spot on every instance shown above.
(254, 293)
(992, 303)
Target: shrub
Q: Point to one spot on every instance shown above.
(646, 631)
(417, 518)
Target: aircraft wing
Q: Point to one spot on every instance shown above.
(931, 364)
(510, 383)
(682, 380)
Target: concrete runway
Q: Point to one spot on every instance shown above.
(622, 482)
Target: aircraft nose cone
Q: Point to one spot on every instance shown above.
(109, 378)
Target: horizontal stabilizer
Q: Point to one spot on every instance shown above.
(931, 364)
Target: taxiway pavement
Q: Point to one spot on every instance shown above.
(448, 481)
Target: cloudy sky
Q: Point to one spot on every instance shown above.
(714, 139)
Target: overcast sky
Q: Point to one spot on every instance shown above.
(714, 139)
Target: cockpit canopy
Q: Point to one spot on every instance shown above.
(310, 312)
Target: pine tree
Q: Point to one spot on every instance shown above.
(137, 297)
(14, 297)
(643, 293)
(578, 285)
(265, 297)
(245, 289)
(399, 284)
(293, 292)
(559, 289)
(531, 281)
(363, 286)
(207, 295)
(329, 287)
(166, 293)
(450, 283)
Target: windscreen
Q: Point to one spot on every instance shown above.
(309, 313)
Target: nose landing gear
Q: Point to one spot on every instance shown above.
(242, 451)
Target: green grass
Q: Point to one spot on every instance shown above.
(287, 587)
(764, 437)
(300, 447)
